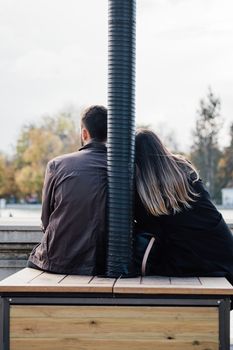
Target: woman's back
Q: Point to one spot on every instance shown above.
(194, 240)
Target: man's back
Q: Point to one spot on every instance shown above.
(73, 213)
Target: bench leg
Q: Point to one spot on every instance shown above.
(224, 324)
(4, 324)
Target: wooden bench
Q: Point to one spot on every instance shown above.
(44, 311)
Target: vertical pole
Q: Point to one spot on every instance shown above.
(4, 324)
(224, 324)
(121, 135)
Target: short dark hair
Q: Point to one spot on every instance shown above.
(94, 118)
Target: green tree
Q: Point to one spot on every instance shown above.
(8, 186)
(205, 152)
(37, 144)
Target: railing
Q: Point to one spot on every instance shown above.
(17, 242)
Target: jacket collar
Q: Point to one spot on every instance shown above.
(94, 144)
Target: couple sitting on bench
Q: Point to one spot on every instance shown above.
(178, 231)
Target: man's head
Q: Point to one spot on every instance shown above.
(94, 124)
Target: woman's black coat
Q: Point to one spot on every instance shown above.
(193, 242)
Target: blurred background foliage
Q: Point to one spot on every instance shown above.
(22, 173)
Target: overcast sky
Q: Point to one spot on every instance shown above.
(54, 53)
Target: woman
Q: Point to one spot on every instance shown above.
(172, 204)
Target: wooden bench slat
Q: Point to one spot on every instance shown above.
(129, 281)
(185, 281)
(102, 281)
(68, 311)
(206, 285)
(114, 343)
(31, 280)
(56, 288)
(76, 280)
(47, 278)
(215, 282)
(155, 280)
(23, 276)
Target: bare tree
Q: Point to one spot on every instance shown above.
(205, 150)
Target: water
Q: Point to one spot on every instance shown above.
(26, 213)
(34, 212)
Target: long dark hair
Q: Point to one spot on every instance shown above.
(163, 180)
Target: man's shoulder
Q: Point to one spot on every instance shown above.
(65, 157)
(85, 151)
(79, 160)
(63, 160)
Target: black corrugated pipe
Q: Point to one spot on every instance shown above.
(121, 135)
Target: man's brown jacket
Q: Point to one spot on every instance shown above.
(73, 213)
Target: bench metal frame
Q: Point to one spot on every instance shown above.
(6, 300)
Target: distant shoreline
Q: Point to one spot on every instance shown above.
(29, 215)
(22, 206)
(39, 205)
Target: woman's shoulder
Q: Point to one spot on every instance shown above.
(198, 185)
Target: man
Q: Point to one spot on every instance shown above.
(73, 204)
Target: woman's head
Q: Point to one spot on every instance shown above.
(162, 179)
